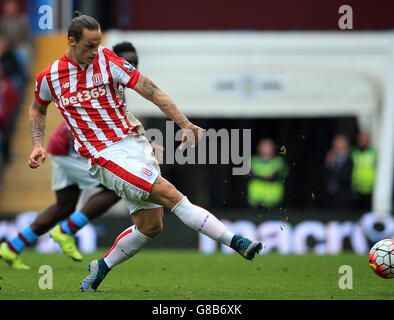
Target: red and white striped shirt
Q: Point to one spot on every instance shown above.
(86, 97)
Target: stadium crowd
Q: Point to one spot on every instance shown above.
(348, 175)
(15, 53)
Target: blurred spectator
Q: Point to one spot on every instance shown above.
(364, 167)
(14, 23)
(10, 65)
(266, 187)
(338, 173)
(9, 100)
(14, 26)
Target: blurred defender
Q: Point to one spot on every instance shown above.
(70, 175)
(83, 86)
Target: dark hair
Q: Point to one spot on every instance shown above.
(79, 23)
(123, 47)
(126, 47)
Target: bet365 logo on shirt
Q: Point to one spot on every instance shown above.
(83, 96)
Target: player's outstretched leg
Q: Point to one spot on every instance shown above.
(205, 222)
(199, 219)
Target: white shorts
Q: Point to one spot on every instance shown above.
(129, 168)
(69, 170)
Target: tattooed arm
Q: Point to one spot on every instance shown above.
(37, 117)
(150, 91)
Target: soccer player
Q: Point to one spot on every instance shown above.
(70, 175)
(83, 85)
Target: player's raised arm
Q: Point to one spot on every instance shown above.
(150, 91)
(37, 118)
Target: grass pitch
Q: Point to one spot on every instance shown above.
(189, 275)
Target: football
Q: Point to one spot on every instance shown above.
(381, 258)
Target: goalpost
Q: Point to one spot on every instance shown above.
(382, 200)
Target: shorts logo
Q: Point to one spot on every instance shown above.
(146, 172)
(97, 79)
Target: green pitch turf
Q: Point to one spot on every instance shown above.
(189, 275)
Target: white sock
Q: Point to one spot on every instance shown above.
(202, 220)
(126, 245)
